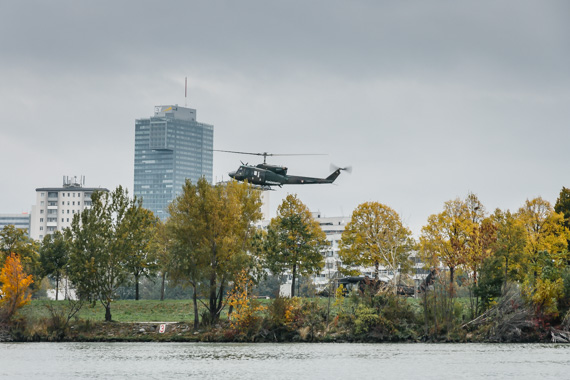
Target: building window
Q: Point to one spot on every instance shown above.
(62, 220)
(67, 220)
(41, 228)
(63, 194)
(68, 203)
(41, 220)
(68, 195)
(68, 211)
(63, 203)
(78, 203)
(74, 201)
(73, 211)
(41, 203)
(41, 211)
(73, 195)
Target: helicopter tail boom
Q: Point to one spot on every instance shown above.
(331, 178)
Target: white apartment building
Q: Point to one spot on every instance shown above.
(333, 227)
(56, 206)
(21, 221)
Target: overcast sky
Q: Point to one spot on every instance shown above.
(427, 100)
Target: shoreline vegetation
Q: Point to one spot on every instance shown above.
(356, 318)
(485, 277)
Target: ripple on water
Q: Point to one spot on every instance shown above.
(282, 361)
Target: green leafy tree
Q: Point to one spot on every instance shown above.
(15, 240)
(563, 206)
(510, 243)
(210, 228)
(54, 255)
(164, 258)
(138, 232)
(295, 241)
(100, 246)
(376, 236)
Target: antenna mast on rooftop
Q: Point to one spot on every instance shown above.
(185, 91)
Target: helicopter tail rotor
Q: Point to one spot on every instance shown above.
(347, 169)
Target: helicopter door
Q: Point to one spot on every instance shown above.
(256, 176)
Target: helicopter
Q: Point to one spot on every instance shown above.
(265, 175)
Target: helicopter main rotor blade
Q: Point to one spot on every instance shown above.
(265, 154)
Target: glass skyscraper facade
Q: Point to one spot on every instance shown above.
(170, 147)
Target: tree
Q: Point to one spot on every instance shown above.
(510, 243)
(545, 253)
(54, 256)
(164, 258)
(545, 232)
(481, 237)
(209, 227)
(15, 240)
(138, 232)
(376, 236)
(446, 237)
(101, 241)
(296, 241)
(563, 206)
(15, 287)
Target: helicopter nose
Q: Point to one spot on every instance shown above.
(232, 174)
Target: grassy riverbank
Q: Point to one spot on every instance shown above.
(122, 310)
(382, 318)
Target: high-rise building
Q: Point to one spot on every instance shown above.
(170, 147)
(56, 206)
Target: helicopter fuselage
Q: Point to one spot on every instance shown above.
(271, 175)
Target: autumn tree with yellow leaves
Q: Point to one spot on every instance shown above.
(245, 315)
(545, 253)
(447, 237)
(15, 290)
(376, 236)
(509, 244)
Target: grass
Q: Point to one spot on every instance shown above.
(137, 311)
(124, 310)
(160, 311)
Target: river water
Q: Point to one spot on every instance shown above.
(283, 361)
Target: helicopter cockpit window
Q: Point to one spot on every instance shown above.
(240, 171)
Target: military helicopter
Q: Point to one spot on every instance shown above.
(265, 175)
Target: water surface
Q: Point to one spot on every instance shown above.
(283, 361)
